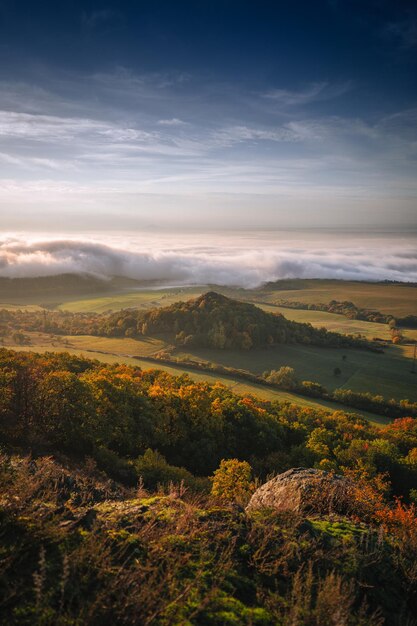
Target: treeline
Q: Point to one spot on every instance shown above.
(352, 312)
(117, 414)
(51, 322)
(285, 378)
(363, 401)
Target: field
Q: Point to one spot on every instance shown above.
(387, 374)
(140, 298)
(100, 349)
(395, 299)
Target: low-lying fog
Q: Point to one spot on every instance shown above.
(240, 259)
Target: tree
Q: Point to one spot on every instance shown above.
(284, 377)
(232, 480)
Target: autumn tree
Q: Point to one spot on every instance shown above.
(284, 377)
(232, 480)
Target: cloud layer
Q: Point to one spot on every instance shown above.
(237, 261)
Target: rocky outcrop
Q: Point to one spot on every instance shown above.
(304, 490)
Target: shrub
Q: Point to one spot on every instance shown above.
(232, 480)
(284, 377)
(156, 471)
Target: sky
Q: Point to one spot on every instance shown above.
(216, 114)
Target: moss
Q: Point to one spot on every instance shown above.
(227, 611)
(344, 530)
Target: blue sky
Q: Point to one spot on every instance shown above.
(226, 114)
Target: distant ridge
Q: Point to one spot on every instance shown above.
(16, 289)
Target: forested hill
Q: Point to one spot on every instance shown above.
(215, 321)
(61, 285)
(211, 320)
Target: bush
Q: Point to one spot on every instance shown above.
(232, 481)
(284, 377)
(156, 471)
(314, 390)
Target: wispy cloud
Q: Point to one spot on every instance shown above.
(102, 20)
(319, 91)
(174, 121)
(123, 133)
(50, 127)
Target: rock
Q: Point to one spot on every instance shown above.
(304, 490)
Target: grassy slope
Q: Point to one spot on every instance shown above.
(394, 299)
(143, 298)
(387, 374)
(117, 350)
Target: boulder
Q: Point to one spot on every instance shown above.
(304, 490)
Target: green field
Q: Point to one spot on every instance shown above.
(340, 324)
(395, 299)
(146, 299)
(237, 386)
(386, 374)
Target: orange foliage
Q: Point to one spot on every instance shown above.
(399, 519)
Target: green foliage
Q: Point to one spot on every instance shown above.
(60, 403)
(154, 470)
(232, 480)
(314, 390)
(284, 377)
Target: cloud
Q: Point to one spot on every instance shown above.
(55, 128)
(125, 132)
(317, 91)
(229, 136)
(240, 262)
(172, 122)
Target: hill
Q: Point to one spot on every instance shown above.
(216, 321)
(43, 288)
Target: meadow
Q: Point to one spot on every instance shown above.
(397, 299)
(130, 351)
(387, 374)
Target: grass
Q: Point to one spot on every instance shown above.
(339, 323)
(386, 374)
(146, 299)
(101, 350)
(395, 299)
